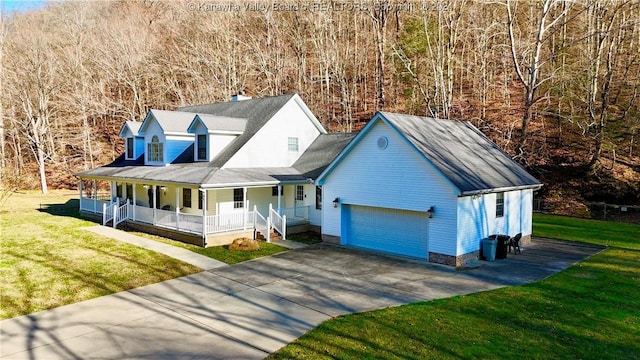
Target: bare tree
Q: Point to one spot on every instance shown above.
(526, 53)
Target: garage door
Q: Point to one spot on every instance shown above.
(394, 231)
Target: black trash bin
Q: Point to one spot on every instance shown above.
(502, 247)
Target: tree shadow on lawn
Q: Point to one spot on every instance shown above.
(68, 209)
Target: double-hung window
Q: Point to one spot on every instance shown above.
(130, 148)
(186, 197)
(238, 198)
(293, 144)
(318, 197)
(155, 149)
(201, 141)
(499, 204)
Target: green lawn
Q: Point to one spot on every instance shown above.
(48, 260)
(221, 253)
(589, 311)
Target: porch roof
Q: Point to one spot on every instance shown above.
(194, 174)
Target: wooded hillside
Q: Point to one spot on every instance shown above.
(555, 83)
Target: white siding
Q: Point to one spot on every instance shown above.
(217, 143)
(269, 147)
(396, 178)
(477, 218)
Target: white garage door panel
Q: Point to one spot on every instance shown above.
(394, 231)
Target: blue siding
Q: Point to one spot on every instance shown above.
(138, 148)
(173, 148)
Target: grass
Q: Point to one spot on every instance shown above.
(308, 238)
(608, 233)
(589, 311)
(221, 253)
(48, 260)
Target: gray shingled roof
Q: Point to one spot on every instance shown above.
(321, 153)
(256, 111)
(134, 126)
(223, 123)
(173, 121)
(254, 114)
(471, 161)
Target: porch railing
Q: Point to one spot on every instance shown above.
(93, 205)
(261, 224)
(229, 222)
(121, 213)
(279, 223)
(296, 213)
(108, 212)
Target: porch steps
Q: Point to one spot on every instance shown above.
(274, 236)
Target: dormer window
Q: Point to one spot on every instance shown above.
(201, 143)
(130, 154)
(155, 150)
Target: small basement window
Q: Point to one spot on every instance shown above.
(499, 204)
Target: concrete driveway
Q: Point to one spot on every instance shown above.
(249, 310)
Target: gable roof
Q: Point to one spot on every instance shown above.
(219, 124)
(257, 113)
(171, 122)
(458, 150)
(133, 126)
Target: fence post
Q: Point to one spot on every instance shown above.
(116, 210)
(104, 214)
(269, 227)
(284, 227)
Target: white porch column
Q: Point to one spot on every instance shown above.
(80, 191)
(245, 208)
(113, 191)
(133, 187)
(95, 196)
(204, 216)
(177, 208)
(155, 204)
(279, 198)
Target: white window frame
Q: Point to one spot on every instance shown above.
(130, 141)
(206, 147)
(499, 204)
(293, 144)
(155, 149)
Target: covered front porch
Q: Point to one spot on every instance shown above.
(207, 216)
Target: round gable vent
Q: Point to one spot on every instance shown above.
(383, 142)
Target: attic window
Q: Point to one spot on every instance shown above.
(293, 144)
(155, 149)
(129, 148)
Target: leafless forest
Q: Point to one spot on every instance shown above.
(556, 83)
